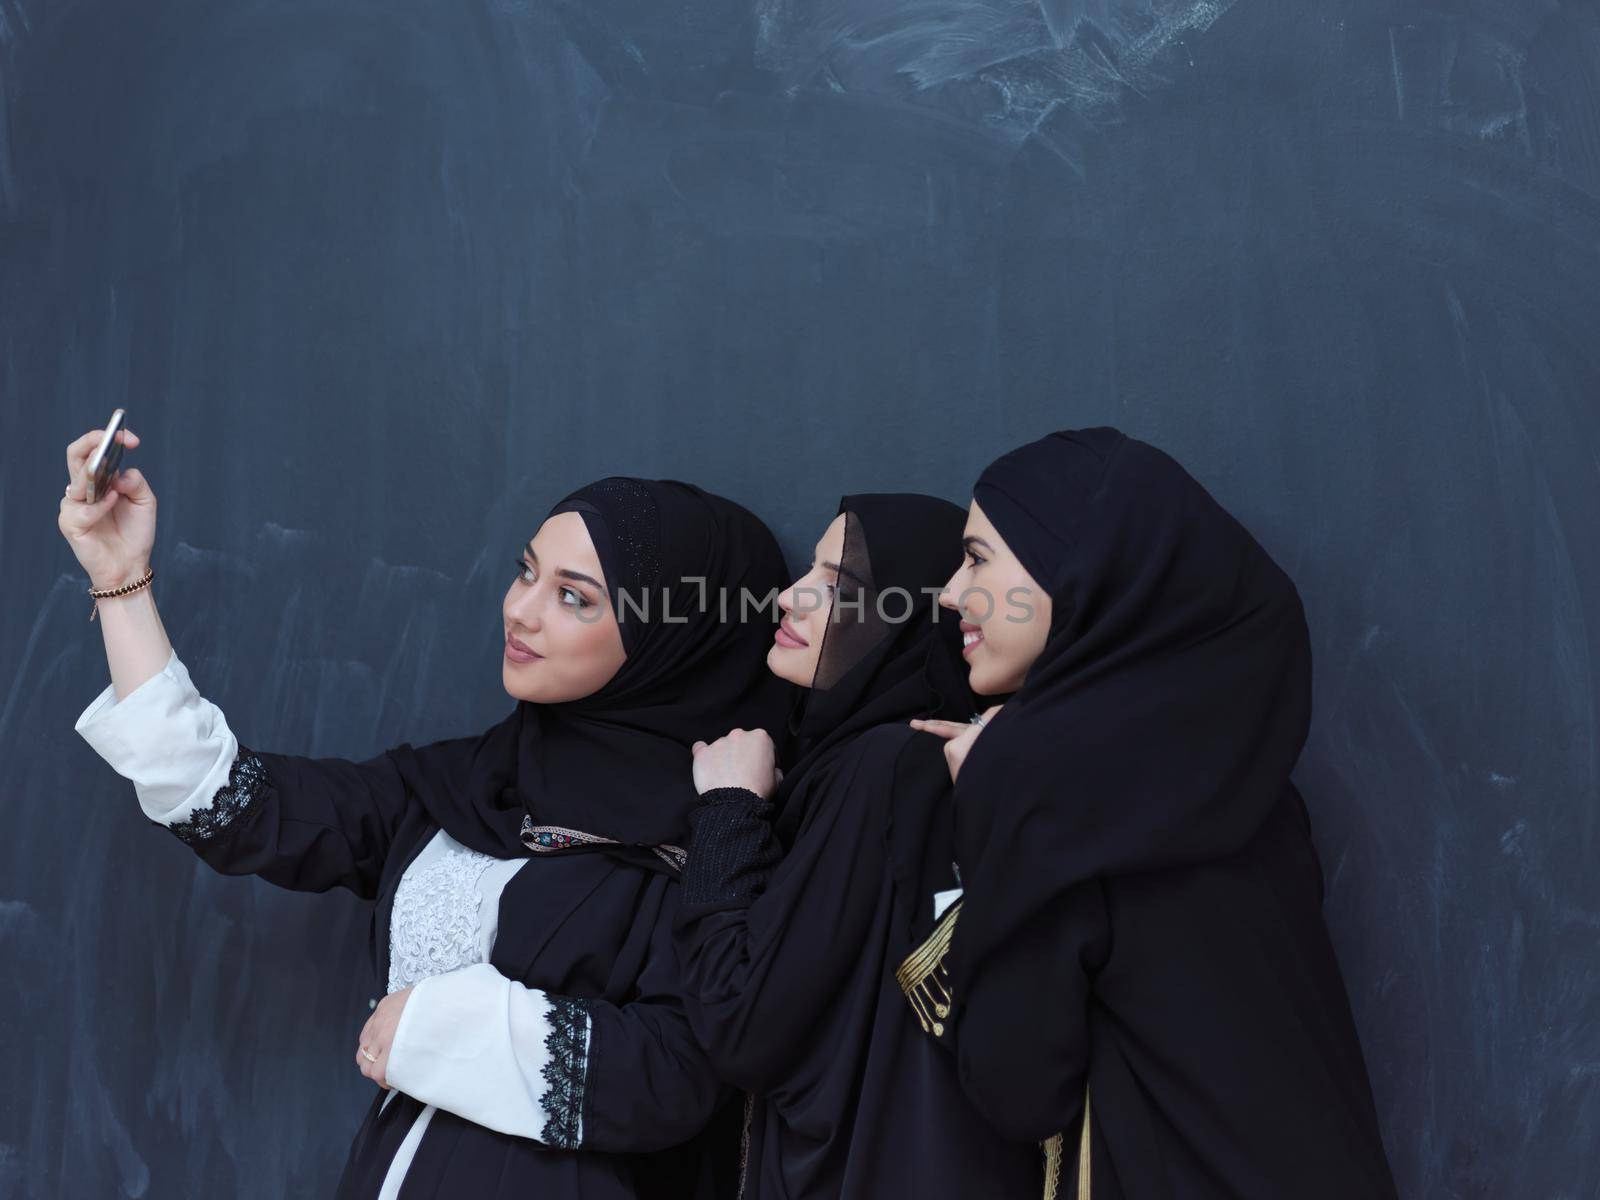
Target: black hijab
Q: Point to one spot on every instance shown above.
(889, 652)
(1159, 724)
(691, 577)
(789, 951)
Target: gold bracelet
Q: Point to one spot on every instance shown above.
(106, 593)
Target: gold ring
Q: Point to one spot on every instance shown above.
(371, 1057)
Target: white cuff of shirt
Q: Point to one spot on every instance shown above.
(173, 743)
(487, 1048)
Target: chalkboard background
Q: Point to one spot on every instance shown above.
(377, 282)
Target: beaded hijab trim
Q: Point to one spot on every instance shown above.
(634, 523)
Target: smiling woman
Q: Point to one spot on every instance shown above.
(532, 1039)
(1138, 960)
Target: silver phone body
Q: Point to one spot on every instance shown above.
(107, 458)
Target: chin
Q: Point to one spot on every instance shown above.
(984, 683)
(778, 663)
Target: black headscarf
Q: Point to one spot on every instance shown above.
(889, 652)
(1159, 724)
(691, 577)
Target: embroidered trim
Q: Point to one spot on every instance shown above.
(552, 837)
(673, 856)
(546, 839)
(1084, 1178)
(1052, 1166)
(925, 978)
(1055, 1147)
(568, 1044)
(247, 780)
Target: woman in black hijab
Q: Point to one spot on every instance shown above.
(1139, 960)
(533, 1040)
(789, 964)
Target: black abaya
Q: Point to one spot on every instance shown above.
(597, 792)
(1142, 916)
(790, 964)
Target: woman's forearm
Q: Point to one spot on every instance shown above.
(136, 642)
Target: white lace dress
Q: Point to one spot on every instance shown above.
(469, 1039)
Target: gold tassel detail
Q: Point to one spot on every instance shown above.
(925, 979)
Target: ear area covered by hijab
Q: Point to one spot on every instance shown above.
(693, 578)
(1160, 722)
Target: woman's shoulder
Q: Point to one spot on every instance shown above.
(894, 758)
(882, 747)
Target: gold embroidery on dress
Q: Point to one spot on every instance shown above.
(925, 978)
(1083, 1150)
(1052, 1166)
(1052, 1159)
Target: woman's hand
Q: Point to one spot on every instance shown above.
(112, 538)
(377, 1035)
(739, 758)
(958, 736)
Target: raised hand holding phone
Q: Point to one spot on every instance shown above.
(112, 539)
(112, 534)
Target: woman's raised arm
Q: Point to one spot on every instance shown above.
(304, 823)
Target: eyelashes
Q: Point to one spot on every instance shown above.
(578, 598)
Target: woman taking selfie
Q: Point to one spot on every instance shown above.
(790, 964)
(1139, 960)
(532, 1041)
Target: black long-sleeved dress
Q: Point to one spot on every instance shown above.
(790, 963)
(1201, 1010)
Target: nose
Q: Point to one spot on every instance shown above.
(522, 614)
(786, 599)
(947, 597)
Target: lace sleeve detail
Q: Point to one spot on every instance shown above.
(565, 1072)
(247, 780)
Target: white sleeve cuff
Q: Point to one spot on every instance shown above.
(505, 1056)
(173, 743)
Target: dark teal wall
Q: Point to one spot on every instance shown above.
(377, 282)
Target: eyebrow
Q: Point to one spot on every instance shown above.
(563, 573)
(968, 542)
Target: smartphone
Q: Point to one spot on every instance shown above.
(106, 460)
